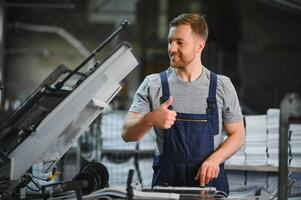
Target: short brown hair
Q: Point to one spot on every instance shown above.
(197, 23)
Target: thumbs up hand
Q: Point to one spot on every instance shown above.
(167, 104)
(163, 117)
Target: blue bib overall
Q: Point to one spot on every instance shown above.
(188, 143)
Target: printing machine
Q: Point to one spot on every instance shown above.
(49, 121)
(45, 126)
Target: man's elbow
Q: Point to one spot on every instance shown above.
(242, 137)
(125, 136)
(129, 137)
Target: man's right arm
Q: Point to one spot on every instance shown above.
(137, 125)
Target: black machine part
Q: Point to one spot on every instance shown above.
(101, 173)
(97, 176)
(27, 117)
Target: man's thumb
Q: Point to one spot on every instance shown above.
(168, 102)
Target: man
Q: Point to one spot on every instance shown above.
(187, 105)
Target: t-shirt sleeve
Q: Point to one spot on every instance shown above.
(231, 108)
(141, 101)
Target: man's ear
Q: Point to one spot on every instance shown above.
(201, 44)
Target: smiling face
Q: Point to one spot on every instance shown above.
(184, 46)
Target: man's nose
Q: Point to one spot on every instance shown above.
(172, 48)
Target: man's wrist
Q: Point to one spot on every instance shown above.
(217, 157)
(148, 119)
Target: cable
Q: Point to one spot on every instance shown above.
(52, 177)
(42, 179)
(5, 195)
(34, 190)
(28, 178)
(36, 184)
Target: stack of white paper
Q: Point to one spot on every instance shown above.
(237, 180)
(238, 159)
(111, 127)
(296, 187)
(256, 136)
(246, 193)
(273, 136)
(295, 145)
(258, 179)
(272, 184)
(148, 142)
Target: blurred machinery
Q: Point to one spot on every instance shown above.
(45, 126)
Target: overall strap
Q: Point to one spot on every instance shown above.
(165, 88)
(211, 100)
(212, 110)
(164, 84)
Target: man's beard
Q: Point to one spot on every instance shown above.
(180, 63)
(177, 66)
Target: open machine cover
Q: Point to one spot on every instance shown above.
(52, 118)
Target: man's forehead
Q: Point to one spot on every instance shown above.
(175, 38)
(182, 27)
(179, 32)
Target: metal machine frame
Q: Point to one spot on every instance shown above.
(45, 126)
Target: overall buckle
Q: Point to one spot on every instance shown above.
(211, 103)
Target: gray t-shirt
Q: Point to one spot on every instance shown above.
(188, 97)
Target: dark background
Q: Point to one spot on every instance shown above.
(254, 42)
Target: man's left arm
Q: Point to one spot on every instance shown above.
(210, 167)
